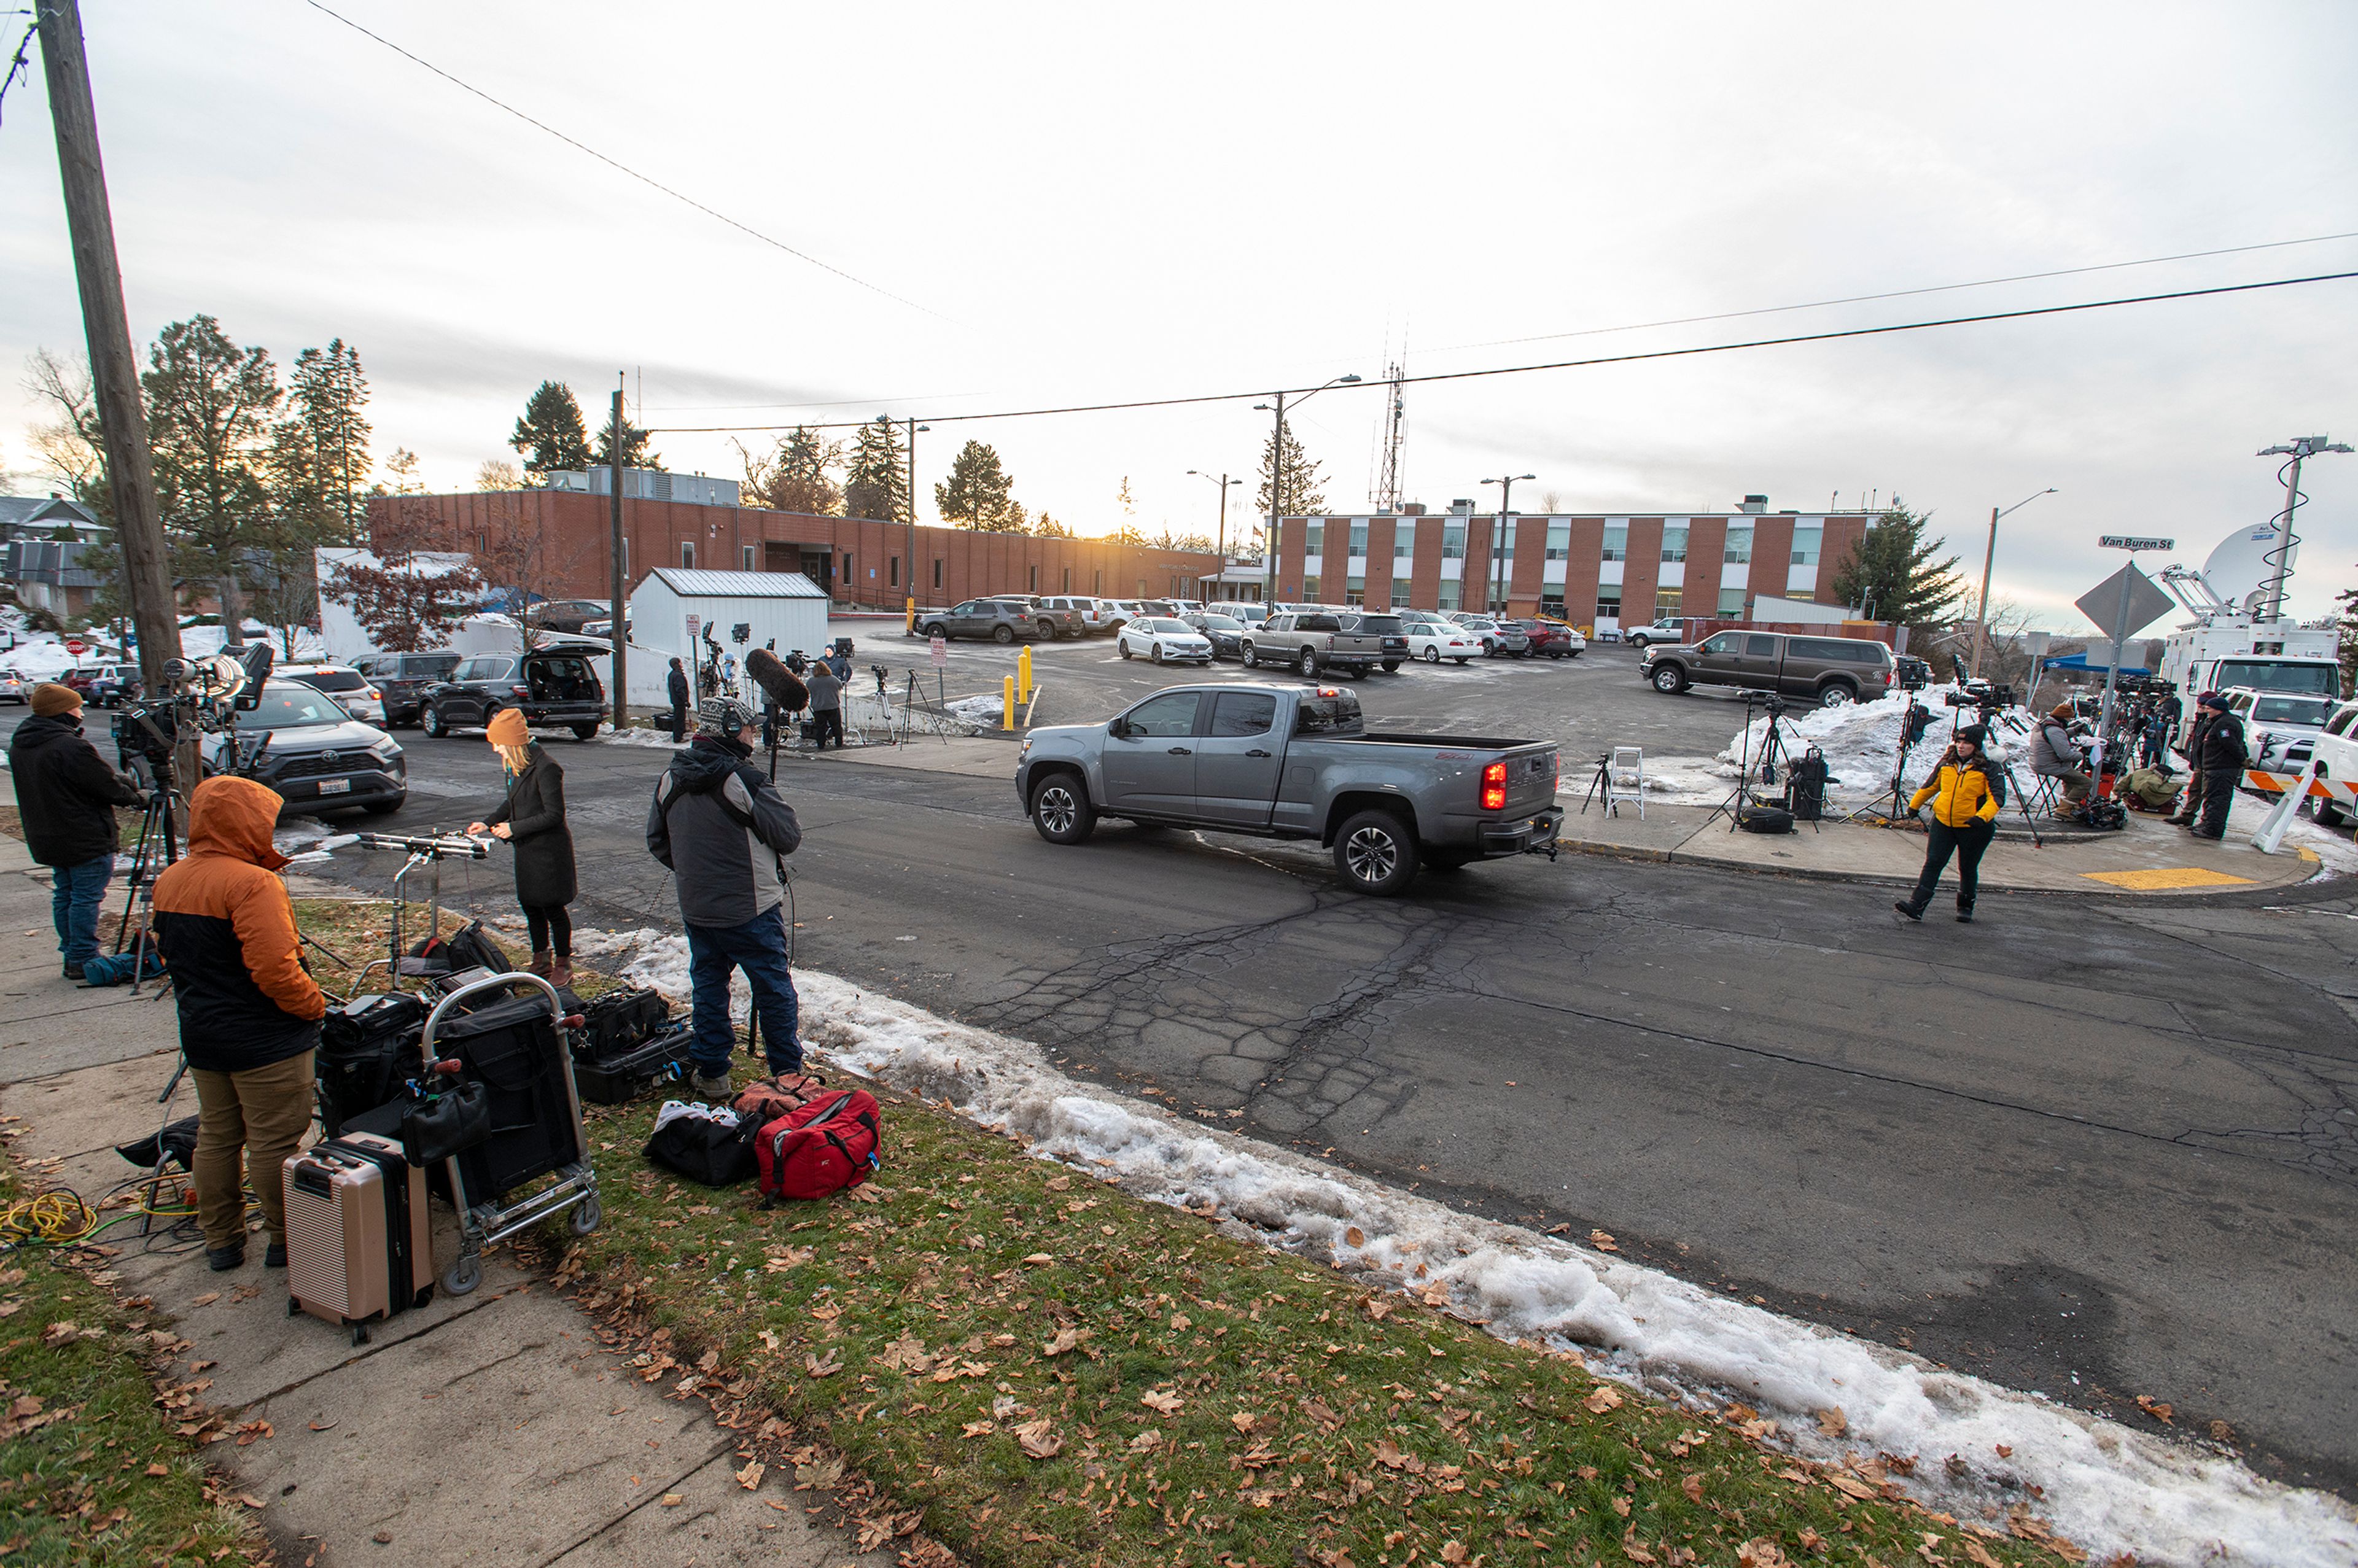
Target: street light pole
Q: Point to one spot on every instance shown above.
(1221, 545)
(1277, 475)
(1989, 557)
(910, 556)
(1494, 562)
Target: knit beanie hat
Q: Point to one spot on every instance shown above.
(2208, 699)
(50, 699)
(1974, 734)
(2062, 710)
(507, 729)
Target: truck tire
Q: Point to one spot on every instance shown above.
(1837, 694)
(585, 731)
(1638, 642)
(1375, 854)
(1392, 666)
(1252, 660)
(1048, 632)
(1307, 663)
(1669, 679)
(1002, 634)
(1061, 809)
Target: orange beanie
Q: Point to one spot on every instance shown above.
(507, 729)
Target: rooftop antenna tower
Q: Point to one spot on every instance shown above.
(1388, 461)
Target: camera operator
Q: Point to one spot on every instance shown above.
(2190, 805)
(2054, 754)
(675, 687)
(1964, 820)
(66, 796)
(827, 703)
(722, 831)
(2218, 757)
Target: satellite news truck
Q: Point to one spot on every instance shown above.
(2239, 636)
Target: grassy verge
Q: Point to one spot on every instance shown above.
(1052, 1371)
(91, 1472)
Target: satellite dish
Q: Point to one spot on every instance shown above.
(2239, 566)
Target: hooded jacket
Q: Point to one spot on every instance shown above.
(226, 929)
(675, 687)
(1959, 794)
(66, 794)
(721, 827)
(2052, 749)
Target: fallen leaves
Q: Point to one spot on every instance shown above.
(1354, 1236)
(825, 1366)
(1833, 1422)
(1037, 1441)
(1152, 1438)
(1760, 1553)
(206, 1299)
(1391, 1458)
(751, 1476)
(1162, 1401)
(1603, 1398)
(1602, 1241)
(2157, 1409)
(1040, 1259)
(1067, 1340)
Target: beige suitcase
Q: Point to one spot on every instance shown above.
(359, 1241)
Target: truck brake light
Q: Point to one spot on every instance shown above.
(1494, 787)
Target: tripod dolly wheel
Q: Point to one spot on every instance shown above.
(462, 1277)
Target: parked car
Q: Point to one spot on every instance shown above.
(317, 757)
(552, 688)
(1500, 639)
(2280, 728)
(401, 680)
(1095, 613)
(1164, 641)
(349, 688)
(2336, 750)
(1643, 637)
(1251, 614)
(12, 687)
(1312, 641)
(1165, 607)
(1000, 620)
(1288, 763)
(1551, 639)
(572, 615)
(1225, 632)
(1389, 632)
(1833, 670)
(103, 685)
(1435, 640)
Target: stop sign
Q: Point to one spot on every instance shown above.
(77, 649)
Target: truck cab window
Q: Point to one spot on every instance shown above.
(1243, 713)
(1170, 715)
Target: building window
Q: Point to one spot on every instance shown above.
(1358, 545)
(1355, 596)
(1674, 544)
(1739, 548)
(1314, 540)
(938, 571)
(1403, 540)
(1731, 601)
(1452, 541)
(687, 554)
(847, 566)
(1400, 593)
(1450, 596)
(1068, 579)
(745, 559)
(1097, 581)
(1666, 603)
(1036, 579)
(1805, 545)
(1617, 543)
(1559, 546)
(892, 571)
(1310, 590)
(1609, 609)
(1552, 607)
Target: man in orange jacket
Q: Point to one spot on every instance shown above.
(249, 1011)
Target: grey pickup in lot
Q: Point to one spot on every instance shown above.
(1283, 762)
(1314, 640)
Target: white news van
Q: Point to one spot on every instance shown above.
(2267, 656)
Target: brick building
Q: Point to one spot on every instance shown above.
(861, 564)
(1608, 570)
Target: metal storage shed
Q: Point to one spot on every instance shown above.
(781, 607)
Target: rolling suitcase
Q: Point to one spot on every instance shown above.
(359, 1241)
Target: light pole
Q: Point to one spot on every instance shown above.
(2297, 448)
(1506, 501)
(1277, 477)
(1989, 557)
(1222, 546)
(910, 582)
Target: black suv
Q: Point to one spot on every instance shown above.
(552, 688)
(400, 678)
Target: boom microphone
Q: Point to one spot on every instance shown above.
(777, 682)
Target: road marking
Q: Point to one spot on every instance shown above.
(2160, 877)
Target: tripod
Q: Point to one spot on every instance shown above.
(1600, 788)
(1772, 747)
(159, 846)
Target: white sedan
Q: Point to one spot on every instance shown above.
(1433, 641)
(1164, 641)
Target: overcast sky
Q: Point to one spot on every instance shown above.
(1092, 203)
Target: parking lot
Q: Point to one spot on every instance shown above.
(1585, 704)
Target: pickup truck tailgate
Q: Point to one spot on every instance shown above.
(1531, 779)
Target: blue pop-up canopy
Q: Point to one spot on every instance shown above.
(2080, 662)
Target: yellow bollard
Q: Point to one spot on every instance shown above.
(1023, 675)
(1007, 702)
(909, 624)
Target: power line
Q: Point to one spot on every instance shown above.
(1897, 293)
(1561, 364)
(623, 168)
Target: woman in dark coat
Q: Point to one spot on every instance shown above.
(532, 819)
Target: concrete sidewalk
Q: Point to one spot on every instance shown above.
(494, 1429)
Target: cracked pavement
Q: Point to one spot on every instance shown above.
(2099, 1147)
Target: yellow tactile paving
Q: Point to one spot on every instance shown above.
(2163, 877)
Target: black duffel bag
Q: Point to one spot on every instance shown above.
(705, 1148)
(368, 1049)
(448, 1121)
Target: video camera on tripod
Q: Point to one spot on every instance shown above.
(203, 695)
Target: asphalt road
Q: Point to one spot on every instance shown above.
(2097, 1148)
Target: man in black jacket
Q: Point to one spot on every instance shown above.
(2218, 760)
(66, 796)
(675, 687)
(722, 831)
(2190, 804)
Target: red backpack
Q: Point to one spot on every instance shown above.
(824, 1147)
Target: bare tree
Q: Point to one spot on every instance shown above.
(405, 598)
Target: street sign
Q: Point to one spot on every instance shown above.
(2127, 597)
(695, 624)
(2135, 542)
(2035, 643)
(941, 652)
(77, 649)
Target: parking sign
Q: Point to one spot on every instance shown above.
(941, 652)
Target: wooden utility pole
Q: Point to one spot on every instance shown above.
(113, 371)
(619, 631)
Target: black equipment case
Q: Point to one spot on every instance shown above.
(368, 1049)
(512, 1048)
(627, 1074)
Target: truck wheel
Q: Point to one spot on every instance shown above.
(1061, 810)
(1392, 666)
(1002, 634)
(585, 731)
(1638, 644)
(1252, 659)
(1375, 854)
(1048, 632)
(1307, 663)
(1837, 694)
(2329, 814)
(1670, 680)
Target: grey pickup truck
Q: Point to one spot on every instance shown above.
(1314, 640)
(1284, 762)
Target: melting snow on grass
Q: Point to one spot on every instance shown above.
(2107, 1487)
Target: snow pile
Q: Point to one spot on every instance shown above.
(986, 708)
(636, 737)
(1859, 742)
(305, 842)
(2107, 1487)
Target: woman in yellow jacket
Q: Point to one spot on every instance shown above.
(1965, 820)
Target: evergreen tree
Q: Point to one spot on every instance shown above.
(550, 434)
(1048, 527)
(636, 452)
(794, 476)
(1896, 572)
(976, 495)
(329, 392)
(211, 425)
(1299, 493)
(876, 481)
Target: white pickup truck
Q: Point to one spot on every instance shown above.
(1290, 761)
